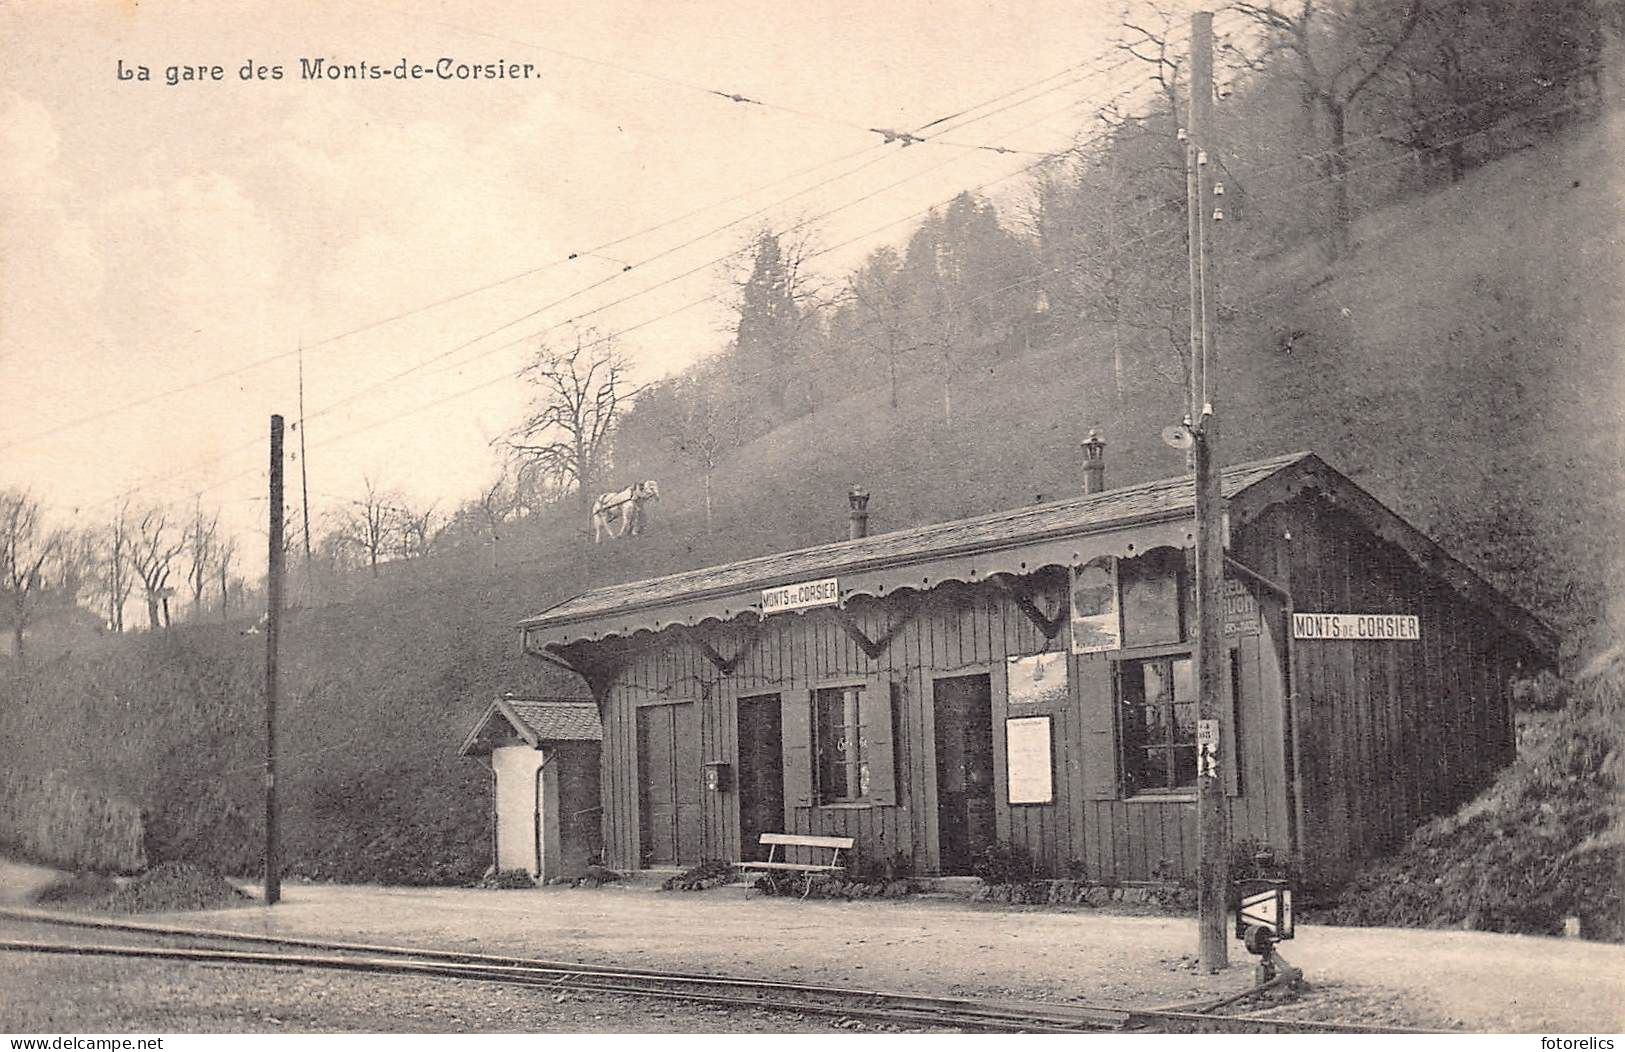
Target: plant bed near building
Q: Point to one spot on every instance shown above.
(831, 886)
(863, 877)
(1171, 898)
(1010, 875)
(506, 880)
(711, 873)
(596, 876)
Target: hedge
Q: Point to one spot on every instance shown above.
(50, 819)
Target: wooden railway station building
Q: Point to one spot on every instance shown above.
(1025, 679)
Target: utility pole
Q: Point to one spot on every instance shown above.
(273, 623)
(1212, 810)
(304, 468)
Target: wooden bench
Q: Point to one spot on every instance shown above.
(834, 844)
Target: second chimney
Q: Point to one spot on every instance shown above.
(858, 523)
(1094, 463)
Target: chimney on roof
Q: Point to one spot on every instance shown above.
(1094, 463)
(858, 520)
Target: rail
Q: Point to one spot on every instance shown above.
(973, 1014)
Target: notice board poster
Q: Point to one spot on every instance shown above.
(1097, 622)
(1036, 680)
(1027, 760)
(1240, 609)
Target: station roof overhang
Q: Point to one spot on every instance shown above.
(1124, 522)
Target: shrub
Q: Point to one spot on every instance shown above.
(867, 869)
(1005, 863)
(710, 873)
(832, 886)
(79, 889)
(1545, 692)
(1252, 859)
(508, 879)
(596, 876)
(171, 886)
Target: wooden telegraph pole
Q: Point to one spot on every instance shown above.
(304, 465)
(1212, 814)
(273, 623)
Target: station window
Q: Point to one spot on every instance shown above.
(1158, 710)
(842, 773)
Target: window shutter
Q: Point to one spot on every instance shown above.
(877, 743)
(1235, 676)
(1097, 705)
(797, 735)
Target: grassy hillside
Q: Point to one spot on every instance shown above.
(1462, 365)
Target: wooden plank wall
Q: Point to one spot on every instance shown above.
(1393, 732)
(954, 630)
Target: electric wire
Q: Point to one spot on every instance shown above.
(594, 251)
(1045, 159)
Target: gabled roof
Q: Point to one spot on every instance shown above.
(1126, 521)
(536, 720)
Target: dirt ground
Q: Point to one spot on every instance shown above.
(51, 995)
(1475, 981)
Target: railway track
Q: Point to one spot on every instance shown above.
(221, 947)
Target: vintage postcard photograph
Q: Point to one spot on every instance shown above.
(1093, 517)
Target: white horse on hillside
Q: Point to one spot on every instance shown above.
(626, 505)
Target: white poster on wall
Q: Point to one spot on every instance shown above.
(1096, 621)
(1036, 679)
(1028, 765)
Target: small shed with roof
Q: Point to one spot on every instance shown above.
(544, 759)
(1022, 682)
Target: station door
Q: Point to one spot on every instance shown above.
(670, 814)
(761, 773)
(963, 707)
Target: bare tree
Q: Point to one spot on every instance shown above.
(200, 550)
(418, 528)
(707, 424)
(1338, 48)
(1151, 41)
(877, 293)
(580, 392)
(496, 502)
(36, 564)
(152, 552)
(366, 525)
(1111, 232)
(118, 577)
(225, 550)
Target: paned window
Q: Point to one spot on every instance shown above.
(843, 771)
(1158, 703)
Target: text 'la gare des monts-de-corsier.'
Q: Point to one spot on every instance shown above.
(443, 68)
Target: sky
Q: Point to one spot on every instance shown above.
(173, 252)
